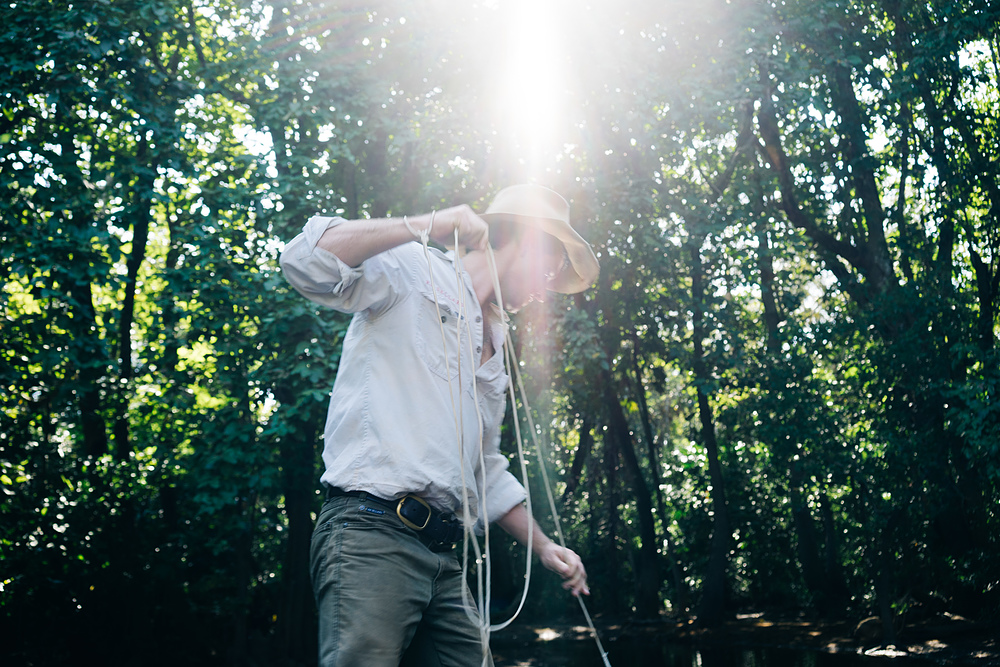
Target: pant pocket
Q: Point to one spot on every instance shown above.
(319, 555)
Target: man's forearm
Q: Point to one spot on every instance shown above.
(518, 522)
(355, 241)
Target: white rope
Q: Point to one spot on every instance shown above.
(507, 349)
(548, 491)
(483, 560)
(484, 578)
(459, 418)
(484, 570)
(513, 364)
(424, 236)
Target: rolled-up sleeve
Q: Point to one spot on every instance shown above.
(324, 278)
(503, 491)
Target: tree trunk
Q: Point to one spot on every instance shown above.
(90, 355)
(298, 622)
(682, 600)
(883, 593)
(765, 265)
(647, 576)
(95, 433)
(713, 603)
(245, 520)
(808, 541)
(865, 250)
(582, 452)
(615, 583)
(242, 573)
(140, 234)
(833, 575)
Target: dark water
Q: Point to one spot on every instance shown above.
(634, 652)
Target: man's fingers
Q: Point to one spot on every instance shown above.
(574, 574)
(567, 564)
(473, 232)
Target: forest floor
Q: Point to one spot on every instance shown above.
(944, 639)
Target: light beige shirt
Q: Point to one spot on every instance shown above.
(391, 426)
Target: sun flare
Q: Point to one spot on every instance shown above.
(531, 76)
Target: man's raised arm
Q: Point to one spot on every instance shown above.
(355, 241)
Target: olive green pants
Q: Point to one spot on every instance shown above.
(384, 598)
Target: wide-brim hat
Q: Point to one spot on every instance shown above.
(545, 209)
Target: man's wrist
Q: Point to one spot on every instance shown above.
(542, 543)
(420, 226)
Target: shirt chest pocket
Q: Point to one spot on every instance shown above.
(444, 354)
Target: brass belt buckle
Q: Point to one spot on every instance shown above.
(407, 522)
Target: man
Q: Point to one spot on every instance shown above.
(412, 434)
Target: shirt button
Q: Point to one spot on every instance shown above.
(478, 319)
(479, 350)
(443, 319)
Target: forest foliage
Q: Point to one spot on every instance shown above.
(782, 392)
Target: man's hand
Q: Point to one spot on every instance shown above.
(566, 564)
(473, 232)
(562, 561)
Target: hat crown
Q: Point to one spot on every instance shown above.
(530, 201)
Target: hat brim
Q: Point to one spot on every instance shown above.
(583, 268)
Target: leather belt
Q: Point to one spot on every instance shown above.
(439, 530)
